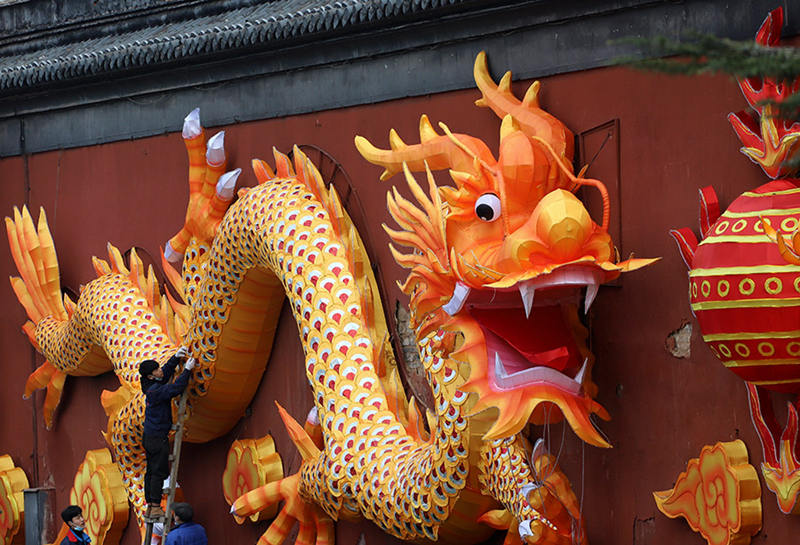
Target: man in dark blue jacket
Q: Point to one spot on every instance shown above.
(185, 531)
(158, 393)
(73, 516)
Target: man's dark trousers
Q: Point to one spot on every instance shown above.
(156, 449)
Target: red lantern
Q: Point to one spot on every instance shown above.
(744, 276)
(745, 296)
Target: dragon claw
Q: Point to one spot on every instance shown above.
(315, 526)
(551, 494)
(47, 376)
(208, 201)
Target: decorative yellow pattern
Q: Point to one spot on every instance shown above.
(503, 254)
(719, 495)
(251, 463)
(12, 505)
(547, 491)
(99, 491)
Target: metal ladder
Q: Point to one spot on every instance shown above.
(174, 459)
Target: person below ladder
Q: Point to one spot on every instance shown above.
(158, 421)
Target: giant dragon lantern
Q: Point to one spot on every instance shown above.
(499, 266)
(744, 289)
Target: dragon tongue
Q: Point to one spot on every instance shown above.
(549, 344)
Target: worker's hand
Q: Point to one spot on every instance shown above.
(182, 352)
(190, 363)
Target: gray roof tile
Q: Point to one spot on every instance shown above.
(263, 24)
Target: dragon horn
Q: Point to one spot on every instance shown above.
(532, 120)
(440, 151)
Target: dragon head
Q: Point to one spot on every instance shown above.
(505, 257)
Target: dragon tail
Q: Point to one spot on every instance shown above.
(38, 286)
(38, 290)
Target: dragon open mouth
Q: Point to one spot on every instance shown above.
(528, 336)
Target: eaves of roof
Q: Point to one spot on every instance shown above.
(247, 28)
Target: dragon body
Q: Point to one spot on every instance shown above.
(498, 267)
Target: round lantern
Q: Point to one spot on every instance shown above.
(745, 295)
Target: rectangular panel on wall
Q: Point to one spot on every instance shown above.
(599, 147)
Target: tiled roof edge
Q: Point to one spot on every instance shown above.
(19, 72)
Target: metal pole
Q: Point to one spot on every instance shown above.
(148, 532)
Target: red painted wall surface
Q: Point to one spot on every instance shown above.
(674, 138)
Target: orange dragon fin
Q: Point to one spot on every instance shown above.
(305, 445)
(38, 289)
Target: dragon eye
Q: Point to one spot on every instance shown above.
(487, 207)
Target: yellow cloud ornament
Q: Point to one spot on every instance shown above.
(98, 490)
(12, 506)
(719, 495)
(251, 463)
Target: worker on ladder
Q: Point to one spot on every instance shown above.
(158, 393)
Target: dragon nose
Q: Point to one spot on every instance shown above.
(562, 224)
(559, 229)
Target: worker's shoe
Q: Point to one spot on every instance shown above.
(154, 511)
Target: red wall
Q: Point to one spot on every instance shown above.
(674, 138)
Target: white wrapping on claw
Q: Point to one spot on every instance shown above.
(313, 416)
(525, 529)
(171, 255)
(215, 149)
(227, 183)
(191, 125)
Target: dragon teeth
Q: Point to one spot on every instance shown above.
(499, 370)
(456, 302)
(526, 290)
(591, 293)
(581, 376)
